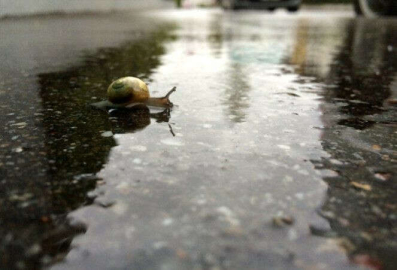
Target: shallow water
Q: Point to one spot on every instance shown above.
(275, 116)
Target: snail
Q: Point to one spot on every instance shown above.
(130, 91)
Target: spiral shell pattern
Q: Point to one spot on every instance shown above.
(128, 90)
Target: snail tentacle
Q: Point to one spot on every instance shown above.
(163, 101)
(170, 92)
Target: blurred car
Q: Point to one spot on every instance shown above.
(375, 8)
(290, 5)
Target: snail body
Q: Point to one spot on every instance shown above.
(127, 92)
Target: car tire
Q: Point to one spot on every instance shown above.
(375, 8)
(293, 8)
(271, 9)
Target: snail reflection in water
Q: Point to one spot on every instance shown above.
(136, 118)
(128, 92)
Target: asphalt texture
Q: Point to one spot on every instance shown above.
(280, 151)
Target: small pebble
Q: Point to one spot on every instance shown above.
(107, 134)
(382, 176)
(282, 221)
(172, 142)
(167, 221)
(137, 161)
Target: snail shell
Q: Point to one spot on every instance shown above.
(128, 90)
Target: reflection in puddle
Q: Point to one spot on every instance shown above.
(76, 143)
(136, 118)
(264, 117)
(359, 135)
(205, 194)
(237, 94)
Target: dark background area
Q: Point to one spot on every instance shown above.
(326, 1)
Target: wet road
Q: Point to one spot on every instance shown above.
(280, 151)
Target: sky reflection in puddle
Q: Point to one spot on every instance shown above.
(245, 132)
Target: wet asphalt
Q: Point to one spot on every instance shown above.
(280, 151)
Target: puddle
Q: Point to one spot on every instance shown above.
(273, 122)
